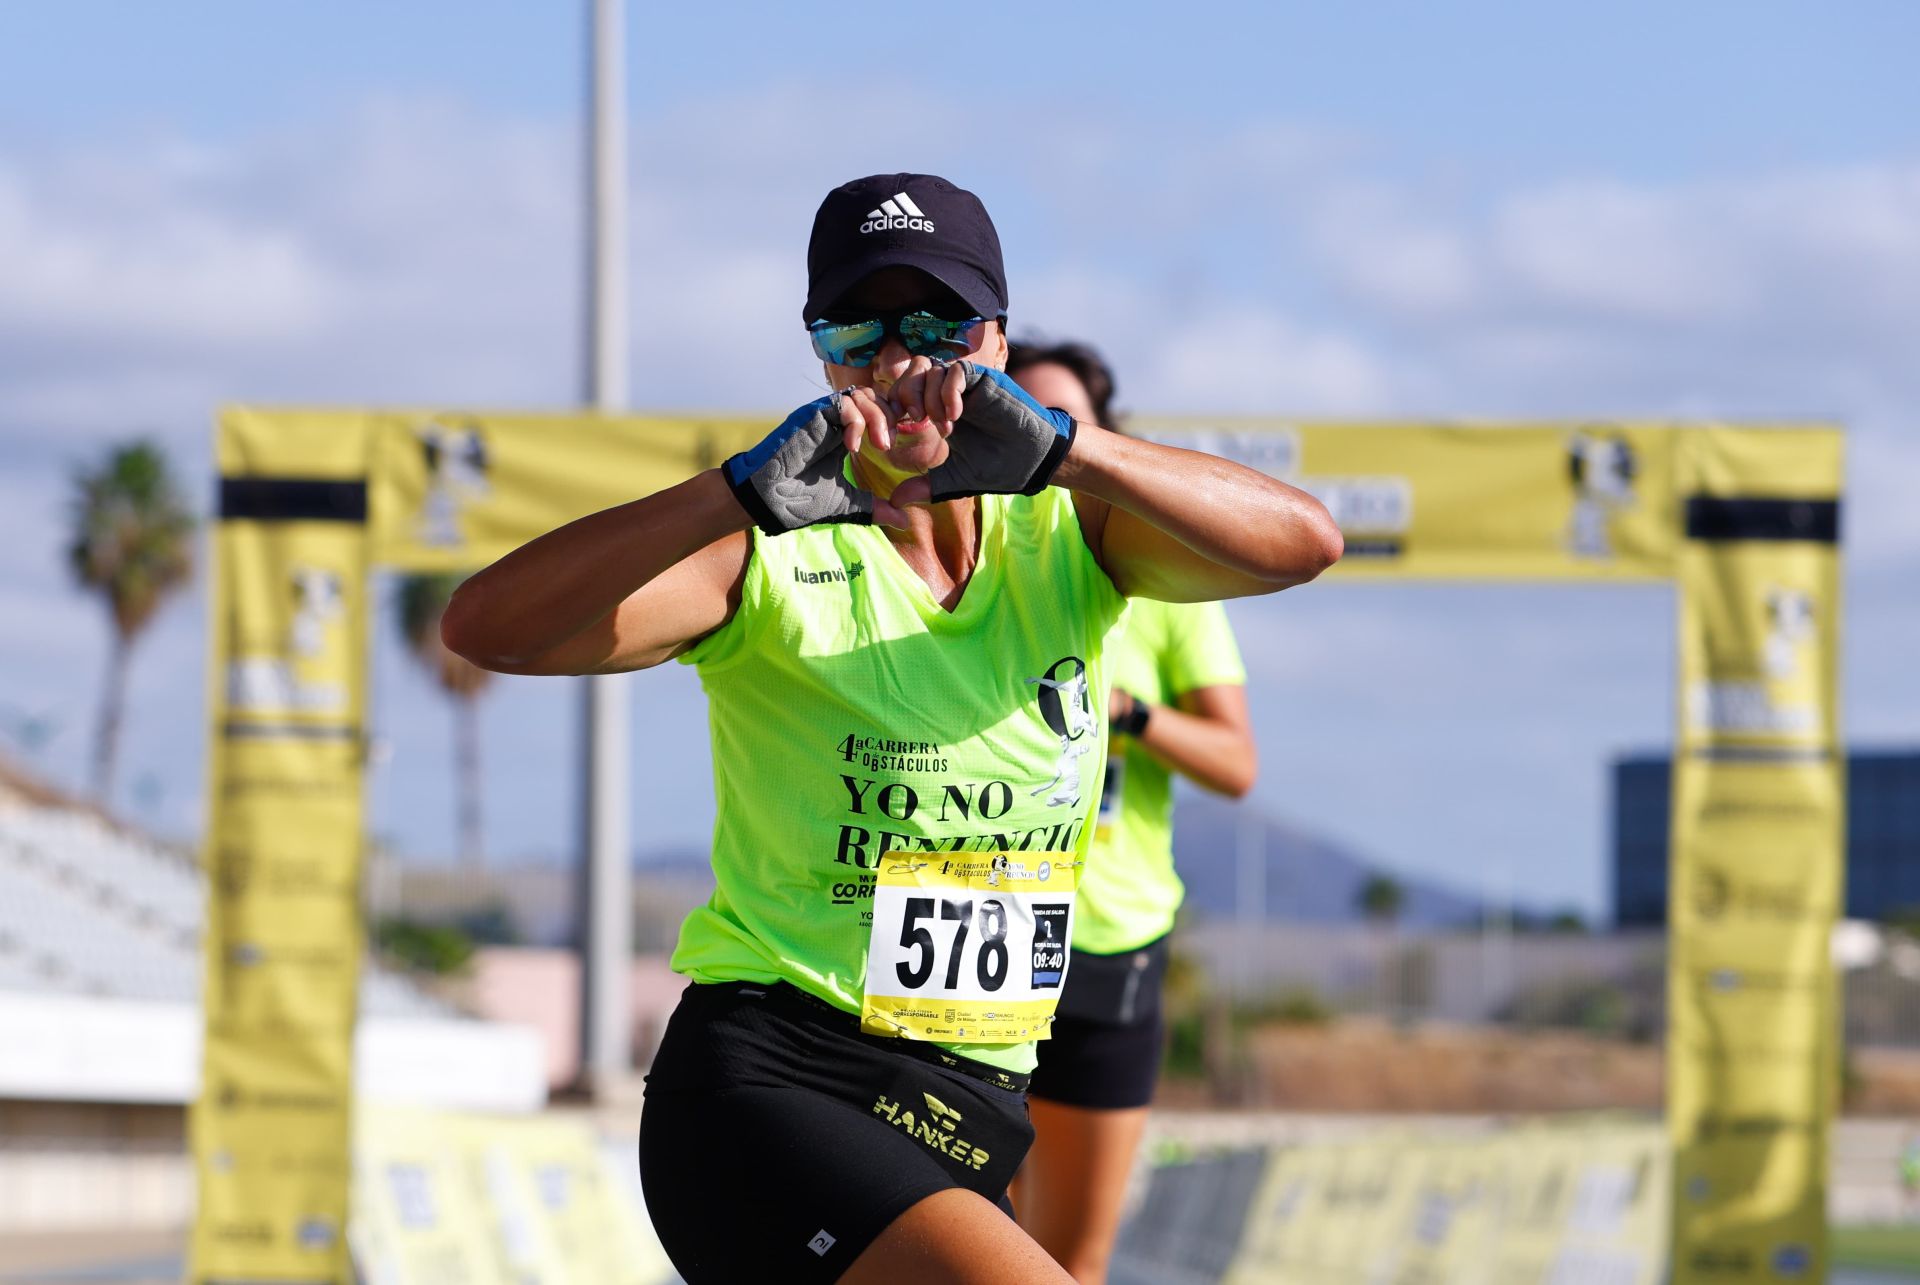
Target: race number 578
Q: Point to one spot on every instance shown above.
(990, 956)
(969, 949)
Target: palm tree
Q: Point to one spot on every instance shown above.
(132, 542)
(422, 600)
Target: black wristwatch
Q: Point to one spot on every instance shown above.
(1134, 721)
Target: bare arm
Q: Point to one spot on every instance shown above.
(1207, 737)
(625, 588)
(1183, 526)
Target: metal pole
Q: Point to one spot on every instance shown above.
(606, 884)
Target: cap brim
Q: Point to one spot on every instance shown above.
(973, 286)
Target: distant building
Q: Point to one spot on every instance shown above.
(1883, 836)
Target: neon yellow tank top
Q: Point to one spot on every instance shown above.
(1130, 891)
(851, 715)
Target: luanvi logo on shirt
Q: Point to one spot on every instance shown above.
(833, 574)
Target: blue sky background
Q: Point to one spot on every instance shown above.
(1384, 209)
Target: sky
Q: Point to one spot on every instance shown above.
(1391, 209)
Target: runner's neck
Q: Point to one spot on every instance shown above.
(941, 543)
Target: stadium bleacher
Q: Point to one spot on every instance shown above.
(100, 1024)
(90, 909)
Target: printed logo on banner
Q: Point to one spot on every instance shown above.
(249, 954)
(1716, 893)
(1780, 701)
(316, 1232)
(1275, 452)
(232, 871)
(320, 598)
(1792, 1260)
(1373, 512)
(457, 464)
(412, 1188)
(236, 871)
(1602, 467)
(243, 1233)
(1714, 1125)
(1792, 625)
(273, 684)
(232, 1097)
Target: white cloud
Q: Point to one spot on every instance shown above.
(1379, 242)
(1208, 352)
(81, 270)
(1608, 250)
(1776, 293)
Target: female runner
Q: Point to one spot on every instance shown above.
(896, 603)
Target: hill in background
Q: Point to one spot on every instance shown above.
(1309, 877)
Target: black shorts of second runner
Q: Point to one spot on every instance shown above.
(777, 1141)
(1103, 1053)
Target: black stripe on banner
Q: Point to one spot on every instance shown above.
(1752, 517)
(293, 499)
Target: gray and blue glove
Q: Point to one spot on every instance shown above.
(1006, 443)
(796, 477)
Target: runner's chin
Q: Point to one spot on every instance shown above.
(912, 455)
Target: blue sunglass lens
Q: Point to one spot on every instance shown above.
(854, 343)
(849, 343)
(924, 333)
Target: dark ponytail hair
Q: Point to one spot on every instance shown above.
(1086, 364)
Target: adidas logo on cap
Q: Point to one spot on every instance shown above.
(895, 214)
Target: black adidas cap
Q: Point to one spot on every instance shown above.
(910, 220)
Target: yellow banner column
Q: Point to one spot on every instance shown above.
(272, 1127)
(1758, 803)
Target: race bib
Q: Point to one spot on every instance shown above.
(968, 949)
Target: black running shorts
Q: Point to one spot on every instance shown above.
(1104, 1050)
(778, 1142)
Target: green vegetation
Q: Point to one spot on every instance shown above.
(1886, 1247)
(490, 925)
(131, 542)
(1566, 921)
(440, 949)
(1206, 1040)
(1905, 919)
(1186, 1055)
(1292, 1008)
